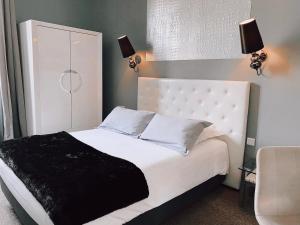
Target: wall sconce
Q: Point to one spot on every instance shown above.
(128, 51)
(252, 43)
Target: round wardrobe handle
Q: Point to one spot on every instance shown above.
(74, 90)
(61, 82)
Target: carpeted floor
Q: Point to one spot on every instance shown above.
(218, 208)
(7, 215)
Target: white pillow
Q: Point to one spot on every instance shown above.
(175, 133)
(208, 133)
(127, 121)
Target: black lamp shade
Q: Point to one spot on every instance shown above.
(126, 47)
(250, 37)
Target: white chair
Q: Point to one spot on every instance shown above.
(277, 193)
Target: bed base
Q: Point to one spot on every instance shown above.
(155, 216)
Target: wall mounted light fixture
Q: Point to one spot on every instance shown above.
(252, 43)
(128, 52)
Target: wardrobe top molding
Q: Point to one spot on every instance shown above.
(60, 27)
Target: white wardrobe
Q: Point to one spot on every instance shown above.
(62, 69)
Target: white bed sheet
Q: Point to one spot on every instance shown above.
(168, 173)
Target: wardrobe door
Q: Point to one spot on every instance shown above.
(53, 78)
(86, 80)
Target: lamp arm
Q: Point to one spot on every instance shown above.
(133, 63)
(257, 60)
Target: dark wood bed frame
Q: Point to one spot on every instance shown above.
(155, 216)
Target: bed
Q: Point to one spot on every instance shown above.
(172, 179)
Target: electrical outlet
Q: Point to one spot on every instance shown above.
(251, 141)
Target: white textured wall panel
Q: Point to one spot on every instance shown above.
(195, 29)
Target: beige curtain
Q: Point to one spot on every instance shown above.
(12, 92)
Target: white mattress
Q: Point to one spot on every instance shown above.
(168, 173)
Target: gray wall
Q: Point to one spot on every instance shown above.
(275, 106)
(75, 13)
(115, 18)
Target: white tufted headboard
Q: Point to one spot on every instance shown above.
(224, 103)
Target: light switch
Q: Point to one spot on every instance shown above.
(251, 141)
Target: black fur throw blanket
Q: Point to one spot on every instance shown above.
(74, 182)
